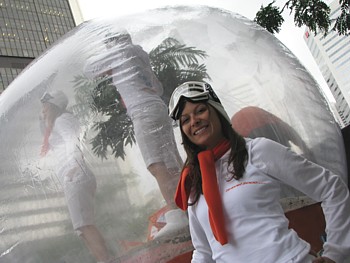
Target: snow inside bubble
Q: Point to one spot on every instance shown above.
(253, 74)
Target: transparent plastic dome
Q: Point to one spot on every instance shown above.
(263, 87)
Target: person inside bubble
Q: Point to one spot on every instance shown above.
(230, 186)
(131, 71)
(61, 135)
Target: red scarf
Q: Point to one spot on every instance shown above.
(210, 188)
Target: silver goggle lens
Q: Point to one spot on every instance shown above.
(193, 91)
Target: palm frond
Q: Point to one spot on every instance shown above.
(172, 62)
(171, 53)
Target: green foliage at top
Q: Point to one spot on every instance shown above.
(342, 23)
(315, 14)
(270, 18)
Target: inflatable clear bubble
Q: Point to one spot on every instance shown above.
(88, 157)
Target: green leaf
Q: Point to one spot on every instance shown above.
(270, 18)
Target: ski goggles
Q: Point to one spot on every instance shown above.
(192, 90)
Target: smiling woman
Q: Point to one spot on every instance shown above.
(231, 187)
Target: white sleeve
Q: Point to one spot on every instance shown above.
(99, 65)
(202, 251)
(315, 181)
(95, 67)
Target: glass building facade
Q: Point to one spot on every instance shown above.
(28, 27)
(332, 55)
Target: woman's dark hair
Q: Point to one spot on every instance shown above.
(238, 156)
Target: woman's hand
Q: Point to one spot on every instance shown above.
(323, 260)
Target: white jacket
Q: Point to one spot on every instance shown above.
(64, 141)
(257, 228)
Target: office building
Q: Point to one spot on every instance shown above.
(332, 54)
(28, 27)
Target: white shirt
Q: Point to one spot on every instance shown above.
(255, 222)
(64, 141)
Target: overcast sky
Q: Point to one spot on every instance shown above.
(290, 35)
